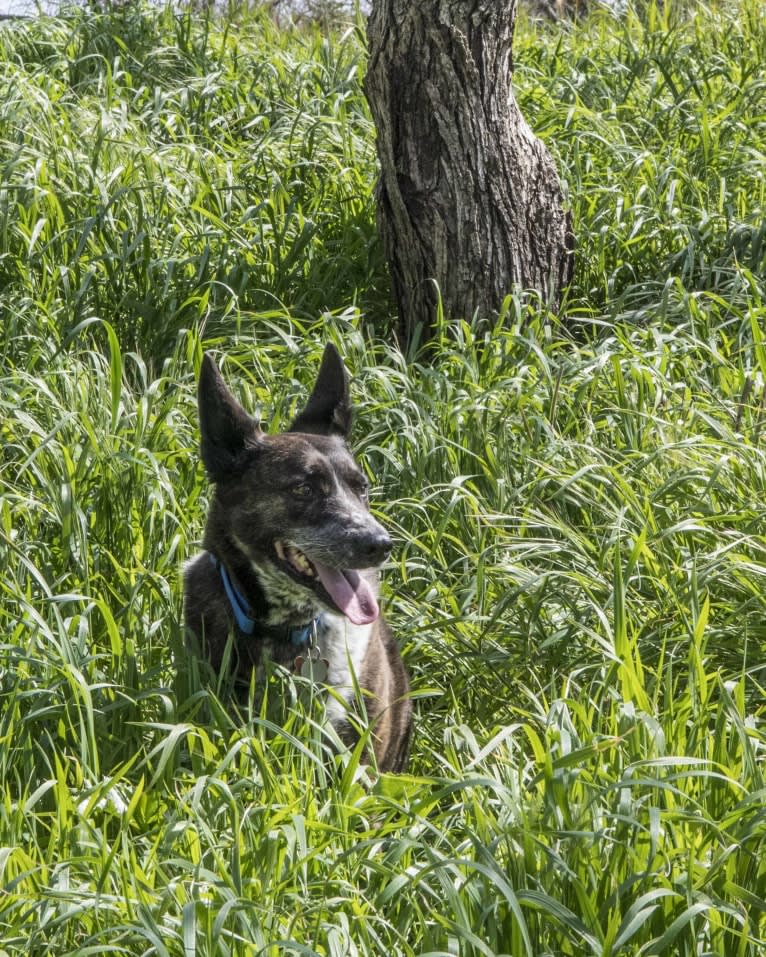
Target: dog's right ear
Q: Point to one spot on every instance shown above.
(328, 410)
(227, 431)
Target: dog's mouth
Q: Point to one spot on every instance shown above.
(345, 588)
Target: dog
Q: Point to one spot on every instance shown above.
(291, 557)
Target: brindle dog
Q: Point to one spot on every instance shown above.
(291, 554)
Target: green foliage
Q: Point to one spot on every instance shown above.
(579, 573)
(659, 122)
(111, 125)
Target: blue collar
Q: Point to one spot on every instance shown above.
(243, 613)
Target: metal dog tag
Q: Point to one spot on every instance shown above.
(316, 669)
(312, 665)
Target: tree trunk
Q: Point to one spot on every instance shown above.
(468, 196)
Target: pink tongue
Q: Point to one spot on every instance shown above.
(351, 594)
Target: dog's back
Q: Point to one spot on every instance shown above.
(291, 556)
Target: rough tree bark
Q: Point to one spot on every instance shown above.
(468, 196)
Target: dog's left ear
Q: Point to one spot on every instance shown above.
(328, 410)
(226, 430)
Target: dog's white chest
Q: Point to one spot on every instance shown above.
(344, 645)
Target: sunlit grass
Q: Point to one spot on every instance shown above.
(580, 552)
(109, 124)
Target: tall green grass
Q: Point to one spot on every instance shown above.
(112, 124)
(580, 539)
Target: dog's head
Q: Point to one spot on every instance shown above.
(294, 504)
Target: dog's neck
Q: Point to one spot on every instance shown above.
(254, 615)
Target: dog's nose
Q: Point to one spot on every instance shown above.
(376, 547)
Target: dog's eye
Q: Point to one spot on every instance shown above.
(364, 490)
(303, 490)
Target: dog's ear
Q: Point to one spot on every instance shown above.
(328, 410)
(227, 431)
